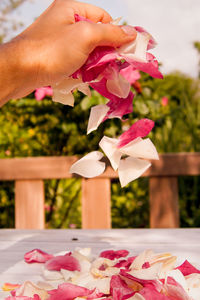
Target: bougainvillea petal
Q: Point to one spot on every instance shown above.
(150, 293)
(130, 74)
(28, 289)
(136, 50)
(35, 297)
(187, 268)
(89, 166)
(175, 290)
(140, 148)
(118, 85)
(67, 262)
(119, 289)
(68, 291)
(40, 94)
(109, 147)
(152, 43)
(97, 115)
(140, 128)
(62, 91)
(118, 106)
(112, 254)
(37, 256)
(131, 168)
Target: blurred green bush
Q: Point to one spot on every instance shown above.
(32, 128)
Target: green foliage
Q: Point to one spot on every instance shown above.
(32, 128)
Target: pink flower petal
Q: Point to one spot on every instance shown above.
(67, 262)
(150, 293)
(37, 256)
(35, 297)
(154, 283)
(119, 289)
(40, 94)
(118, 106)
(150, 67)
(130, 74)
(112, 254)
(175, 290)
(48, 90)
(140, 128)
(186, 268)
(68, 291)
(152, 43)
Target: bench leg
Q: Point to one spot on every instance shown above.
(29, 204)
(96, 198)
(164, 207)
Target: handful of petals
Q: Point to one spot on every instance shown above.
(111, 72)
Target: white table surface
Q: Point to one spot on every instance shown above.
(184, 243)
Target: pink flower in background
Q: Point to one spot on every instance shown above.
(42, 92)
(164, 101)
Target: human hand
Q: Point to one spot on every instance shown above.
(55, 46)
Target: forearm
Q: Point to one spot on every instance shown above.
(15, 74)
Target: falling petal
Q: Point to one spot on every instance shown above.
(140, 148)
(131, 168)
(89, 166)
(109, 147)
(140, 128)
(97, 114)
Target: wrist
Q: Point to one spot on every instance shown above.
(17, 72)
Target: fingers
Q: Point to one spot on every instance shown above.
(96, 14)
(93, 35)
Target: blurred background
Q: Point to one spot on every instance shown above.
(32, 127)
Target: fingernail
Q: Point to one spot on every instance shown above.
(129, 30)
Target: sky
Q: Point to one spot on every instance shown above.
(175, 24)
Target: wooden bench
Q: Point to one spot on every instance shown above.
(29, 173)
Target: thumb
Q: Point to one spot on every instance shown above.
(112, 35)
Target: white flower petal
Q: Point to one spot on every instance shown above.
(131, 168)
(118, 86)
(97, 114)
(178, 276)
(109, 147)
(150, 273)
(136, 50)
(84, 88)
(29, 289)
(141, 259)
(51, 275)
(64, 98)
(102, 284)
(141, 148)
(62, 91)
(89, 166)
